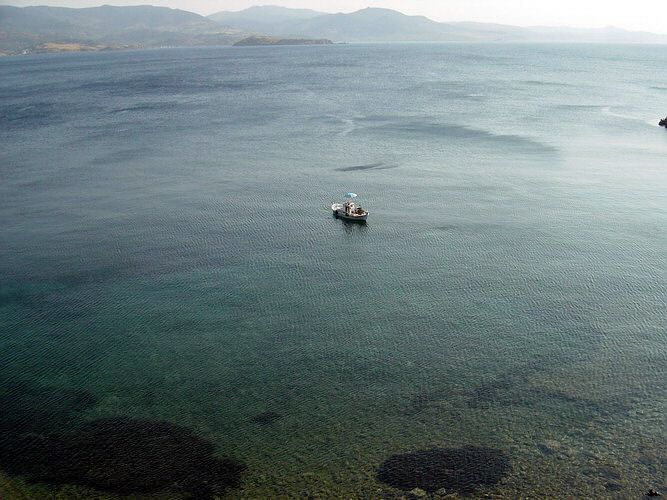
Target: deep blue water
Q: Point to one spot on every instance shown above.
(167, 255)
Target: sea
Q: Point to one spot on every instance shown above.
(181, 316)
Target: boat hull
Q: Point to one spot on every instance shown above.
(339, 212)
(356, 218)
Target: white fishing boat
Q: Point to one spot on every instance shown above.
(349, 210)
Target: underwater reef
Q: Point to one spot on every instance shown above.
(44, 439)
(454, 469)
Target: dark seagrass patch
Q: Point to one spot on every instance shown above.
(459, 469)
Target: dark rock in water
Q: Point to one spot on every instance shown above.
(43, 436)
(663, 123)
(122, 456)
(369, 166)
(456, 469)
(652, 492)
(265, 418)
(545, 450)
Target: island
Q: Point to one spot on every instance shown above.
(255, 40)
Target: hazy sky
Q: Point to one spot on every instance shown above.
(650, 15)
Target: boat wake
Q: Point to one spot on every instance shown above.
(609, 112)
(349, 126)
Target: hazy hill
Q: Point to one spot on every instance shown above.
(380, 25)
(609, 34)
(29, 28)
(364, 25)
(257, 19)
(373, 25)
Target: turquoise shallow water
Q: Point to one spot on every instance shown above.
(167, 256)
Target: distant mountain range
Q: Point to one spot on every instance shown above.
(34, 29)
(384, 25)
